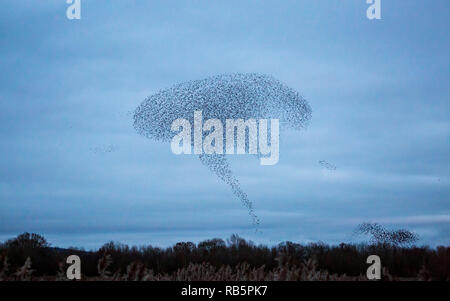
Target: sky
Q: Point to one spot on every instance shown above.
(74, 169)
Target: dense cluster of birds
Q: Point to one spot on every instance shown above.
(381, 235)
(228, 96)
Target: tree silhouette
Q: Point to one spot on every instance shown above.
(27, 241)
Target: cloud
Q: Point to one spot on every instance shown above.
(379, 93)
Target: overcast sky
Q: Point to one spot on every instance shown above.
(74, 170)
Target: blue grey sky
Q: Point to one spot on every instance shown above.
(75, 170)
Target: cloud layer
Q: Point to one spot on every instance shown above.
(379, 90)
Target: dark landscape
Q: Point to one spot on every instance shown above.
(31, 257)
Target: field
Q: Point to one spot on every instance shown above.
(30, 257)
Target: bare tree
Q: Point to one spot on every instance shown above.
(27, 240)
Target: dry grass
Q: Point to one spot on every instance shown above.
(136, 271)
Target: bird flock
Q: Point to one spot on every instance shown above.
(222, 97)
